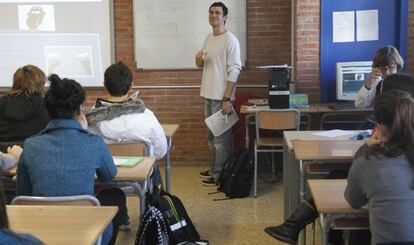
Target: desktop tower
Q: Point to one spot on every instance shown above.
(278, 88)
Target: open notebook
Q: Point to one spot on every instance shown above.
(122, 161)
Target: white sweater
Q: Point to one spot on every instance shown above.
(222, 63)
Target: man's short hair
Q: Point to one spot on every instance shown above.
(118, 79)
(223, 7)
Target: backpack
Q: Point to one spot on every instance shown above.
(235, 179)
(179, 226)
(152, 228)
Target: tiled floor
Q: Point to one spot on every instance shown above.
(235, 221)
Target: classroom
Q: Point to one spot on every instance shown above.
(299, 45)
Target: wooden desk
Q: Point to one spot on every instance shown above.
(308, 152)
(61, 224)
(138, 177)
(328, 196)
(291, 166)
(316, 151)
(169, 130)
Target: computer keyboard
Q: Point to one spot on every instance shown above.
(342, 106)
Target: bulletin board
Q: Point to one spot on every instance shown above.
(339, 43)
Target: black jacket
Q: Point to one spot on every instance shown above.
(21, 116)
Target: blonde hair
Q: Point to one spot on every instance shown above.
(29, 80)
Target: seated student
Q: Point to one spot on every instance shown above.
(9, 159)
(306, 212)
(382, 173)
(120, 119)
(7, 236)
(63, 159)
(22, 111)
(386, 61)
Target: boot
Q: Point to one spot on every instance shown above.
(289, 231)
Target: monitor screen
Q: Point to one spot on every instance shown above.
(350, 77)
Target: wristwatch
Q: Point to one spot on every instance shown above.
(226, 98)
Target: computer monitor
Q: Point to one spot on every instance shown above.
(350, 76)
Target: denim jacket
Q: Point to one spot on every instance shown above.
(62, 160)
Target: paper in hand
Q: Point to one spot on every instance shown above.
(218, 123)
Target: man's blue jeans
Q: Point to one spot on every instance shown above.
(220, 147)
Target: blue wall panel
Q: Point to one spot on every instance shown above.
(392, 20)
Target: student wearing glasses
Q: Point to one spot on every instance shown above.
(387, 61)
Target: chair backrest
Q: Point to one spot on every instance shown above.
(80, 200)
(134, 148)
(277, 119)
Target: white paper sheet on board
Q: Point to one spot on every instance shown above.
(367, 25)
(343, 24)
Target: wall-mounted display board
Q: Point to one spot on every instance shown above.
(71, 38)
(168, 33)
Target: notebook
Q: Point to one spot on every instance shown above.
(121, 161)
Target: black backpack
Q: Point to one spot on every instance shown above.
(236, 177)
(179, 226)
(152, 228)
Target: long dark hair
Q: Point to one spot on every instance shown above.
(394, 110)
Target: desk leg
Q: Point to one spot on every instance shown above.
(247, 122)
(140, 188)
(168, 166)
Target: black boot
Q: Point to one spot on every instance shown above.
(289, 231)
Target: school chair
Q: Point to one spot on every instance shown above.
(132, 148)
(79, 200)
(274, 121)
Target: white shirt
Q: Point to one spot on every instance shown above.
(136, 126)
(222, 63)
(365, 97)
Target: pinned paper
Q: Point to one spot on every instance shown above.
(343, 24)
(367, 25)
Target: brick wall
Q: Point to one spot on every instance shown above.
(268, 42)
(307, 14)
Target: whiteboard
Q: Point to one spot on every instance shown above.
(168, 33)
(72, 38)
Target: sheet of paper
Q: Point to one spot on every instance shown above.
(119, 161)
(367, 25)
(219, 123)
(333, 133)
(343, 24)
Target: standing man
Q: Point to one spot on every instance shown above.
(220, 59)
